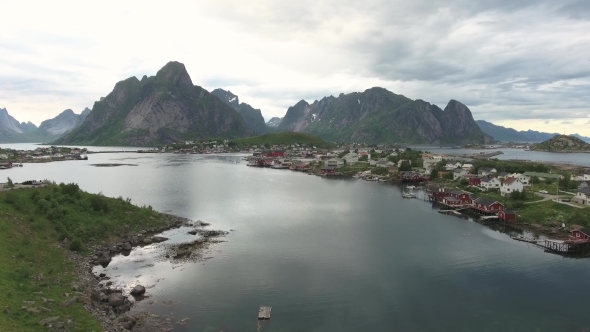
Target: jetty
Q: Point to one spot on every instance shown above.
(264, 313)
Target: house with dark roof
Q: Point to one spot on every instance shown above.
(583, 196)
(485, 171)
(507, 215)
(581, 234)
(502, 175)
(487, 206)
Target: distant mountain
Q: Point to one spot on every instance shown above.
(160, 109)
(10, 124)
(64, 122)
(274, 122)
(504, 134)
(380, 116)
(252, 116)
(11, 131)
(562, 143)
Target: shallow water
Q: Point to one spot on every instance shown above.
(327, 255)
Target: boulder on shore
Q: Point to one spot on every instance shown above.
(126, 246)
(116, 299)
(138, 290)
(159, 239)
(104, 259)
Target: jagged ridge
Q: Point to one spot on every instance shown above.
(380, 116)
(159, 109)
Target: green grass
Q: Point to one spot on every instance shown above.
(549, 212)
(33, 224)
(286, 138)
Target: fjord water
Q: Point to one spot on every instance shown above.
(327, 255)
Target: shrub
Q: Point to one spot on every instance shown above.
(70, 189)
(99, 203)
(76, 245)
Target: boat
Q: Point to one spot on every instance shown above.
(384, 180)
(410, 187)
(408, 195)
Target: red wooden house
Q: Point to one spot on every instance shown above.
(581, 234)
(487, 206)
(475, 181)
(507, 215)
(451, 201)
(276, 154)
(465, 198)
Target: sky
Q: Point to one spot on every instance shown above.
(523, 64)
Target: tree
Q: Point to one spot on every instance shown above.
(464, 182)
(405, 166)
(364, 158)
(434, 174)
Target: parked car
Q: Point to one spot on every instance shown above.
(543, 192)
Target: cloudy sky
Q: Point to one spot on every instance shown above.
(519, 63)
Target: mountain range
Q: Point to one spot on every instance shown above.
(380, 116)
(160, 109)
(168, 107)
(11, 131)
(504, 134)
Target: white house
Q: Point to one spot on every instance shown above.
(511, 185)
(450, 167)
(437, 158)
(525, 180)
(3, 156)
(485, 171)
(351, 158)
(393, 154)
(459, 173)
(489, 182)
(582, 197)
(587, 175)
(337, 162)
(384, 163)
(467, 166)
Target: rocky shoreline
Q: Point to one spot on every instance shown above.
(111, 305)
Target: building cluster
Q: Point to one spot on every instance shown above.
(43, 154)
(454, 199)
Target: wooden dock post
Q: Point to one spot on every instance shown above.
(264, 312)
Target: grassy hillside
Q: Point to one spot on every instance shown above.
(287, 138)
(34, 223)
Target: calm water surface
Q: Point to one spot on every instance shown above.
(327, 255)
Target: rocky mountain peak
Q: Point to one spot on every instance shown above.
(227, 97)
(174, 73)
(251, 115)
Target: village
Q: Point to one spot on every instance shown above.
(460, 186)
(15, 158)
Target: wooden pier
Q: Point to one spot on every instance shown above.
(264, 312)
(572, 248)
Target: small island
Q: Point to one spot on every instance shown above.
(562, 143)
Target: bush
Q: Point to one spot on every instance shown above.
(70, 189)
(99, 203)
(76, 245)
